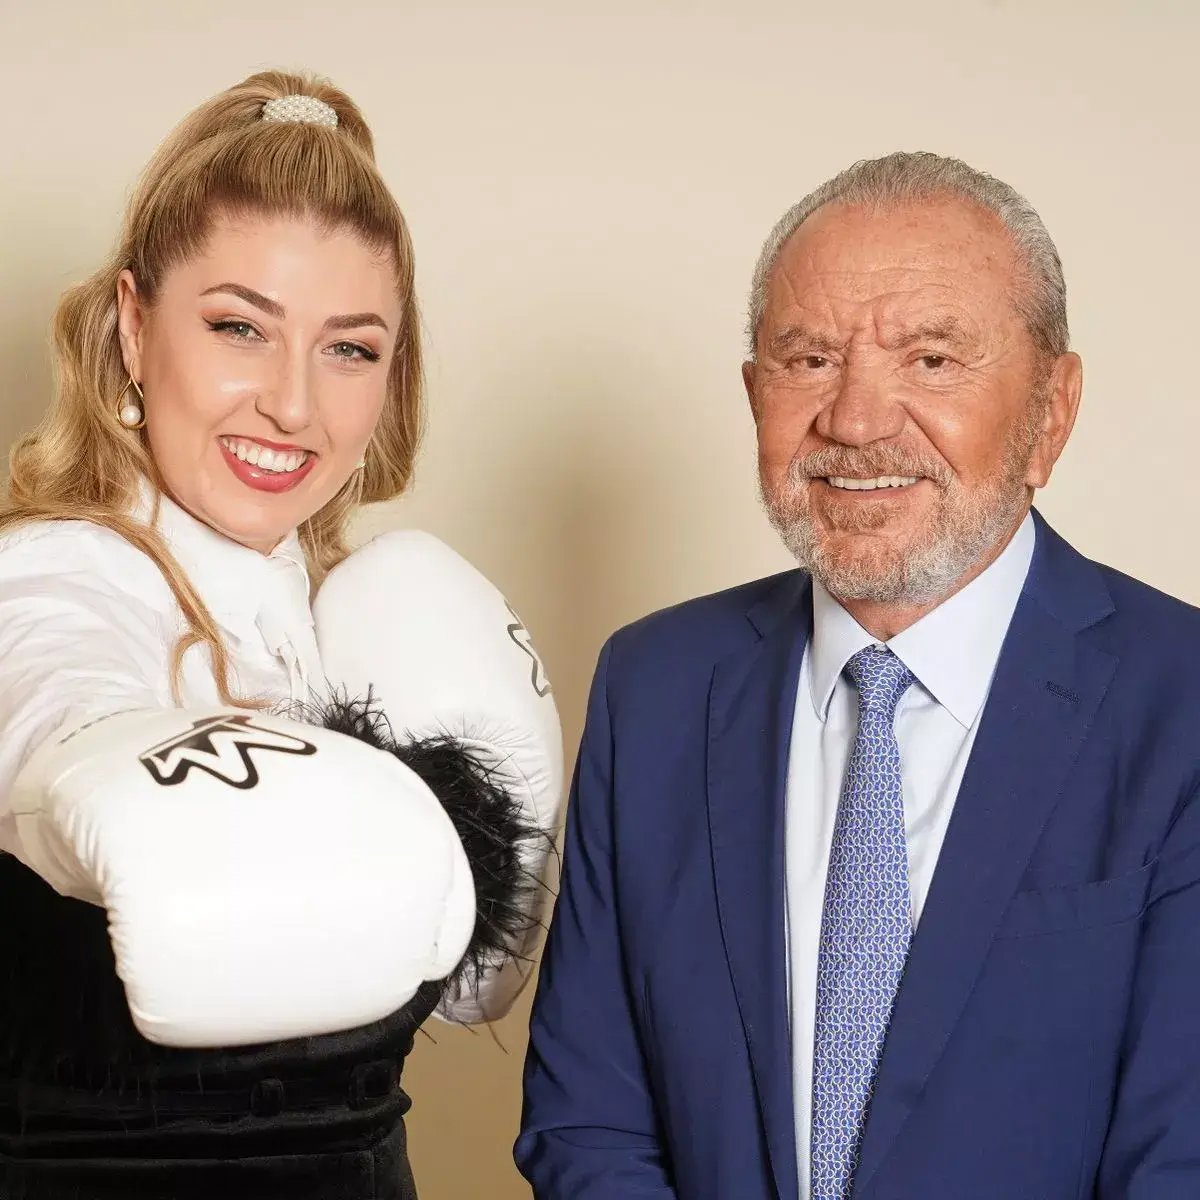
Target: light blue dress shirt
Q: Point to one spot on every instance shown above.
(953, 652)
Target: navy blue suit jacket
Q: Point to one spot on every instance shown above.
(1045, 1043)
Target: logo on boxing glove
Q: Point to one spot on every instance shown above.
(220, 747)
(521, 638)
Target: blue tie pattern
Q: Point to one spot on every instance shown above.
(866, 927)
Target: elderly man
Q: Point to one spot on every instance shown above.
(881, 875)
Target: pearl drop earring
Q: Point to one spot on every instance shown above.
(131, 413)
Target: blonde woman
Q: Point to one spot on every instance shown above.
(230, 894)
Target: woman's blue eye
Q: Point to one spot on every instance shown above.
(239, 329)
(244, 331)
(354, 350)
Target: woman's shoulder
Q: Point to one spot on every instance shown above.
(57, 542)
(80, 553)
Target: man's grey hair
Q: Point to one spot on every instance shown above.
(903, 178)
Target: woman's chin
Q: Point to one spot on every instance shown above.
(252, 523)
(256, 517)
(262, 539)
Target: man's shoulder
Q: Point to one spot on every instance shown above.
(689, 637)
(1136, 594)
(1149, 620)
(1123, 615)
(1154, 638)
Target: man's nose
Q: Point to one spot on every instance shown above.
(864, 408)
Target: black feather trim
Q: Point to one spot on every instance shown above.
(490, 824)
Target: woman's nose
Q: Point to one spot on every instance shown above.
(288, 402)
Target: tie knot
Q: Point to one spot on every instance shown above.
(881, 678)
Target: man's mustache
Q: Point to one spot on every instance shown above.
(846, 462)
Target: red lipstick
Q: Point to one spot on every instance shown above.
(262, 480)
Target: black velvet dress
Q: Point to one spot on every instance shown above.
(90, 1110)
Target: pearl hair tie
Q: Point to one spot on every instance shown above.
(304, 109)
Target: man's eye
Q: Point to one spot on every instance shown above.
(933, 362)
(814, 362)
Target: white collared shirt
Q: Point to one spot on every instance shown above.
(88, 625)
(953, 652)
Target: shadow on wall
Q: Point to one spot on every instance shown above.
(25, 369)
(37, 267)
(592, 490)
(561, 518)
(545, 481)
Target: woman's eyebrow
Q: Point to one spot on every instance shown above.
(271, 307)
(274, 309)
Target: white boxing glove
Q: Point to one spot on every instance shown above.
(264, 879)
(444, 654)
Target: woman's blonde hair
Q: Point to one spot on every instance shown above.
(223, 160)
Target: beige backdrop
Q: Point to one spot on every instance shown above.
(588, 185)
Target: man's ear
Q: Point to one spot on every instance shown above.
(130, 323)
(1064, 389)
(749, 372)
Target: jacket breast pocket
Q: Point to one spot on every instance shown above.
(1083, 906)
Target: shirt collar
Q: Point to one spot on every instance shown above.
(233, 581)
(952, 650)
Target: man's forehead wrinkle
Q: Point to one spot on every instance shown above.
(936, 291)
(793, 309)
(933, 321)
(802, 336)
(901, 309)
(847, 290)
(789, 280)
(963, 259)
(870, 282)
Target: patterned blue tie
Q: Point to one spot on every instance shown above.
(866, 927)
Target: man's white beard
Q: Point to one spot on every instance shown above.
(964, 527)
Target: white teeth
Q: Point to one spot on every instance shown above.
(277, 461)
(868, 485)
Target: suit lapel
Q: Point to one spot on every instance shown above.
(749, 729)
(1049, 683)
